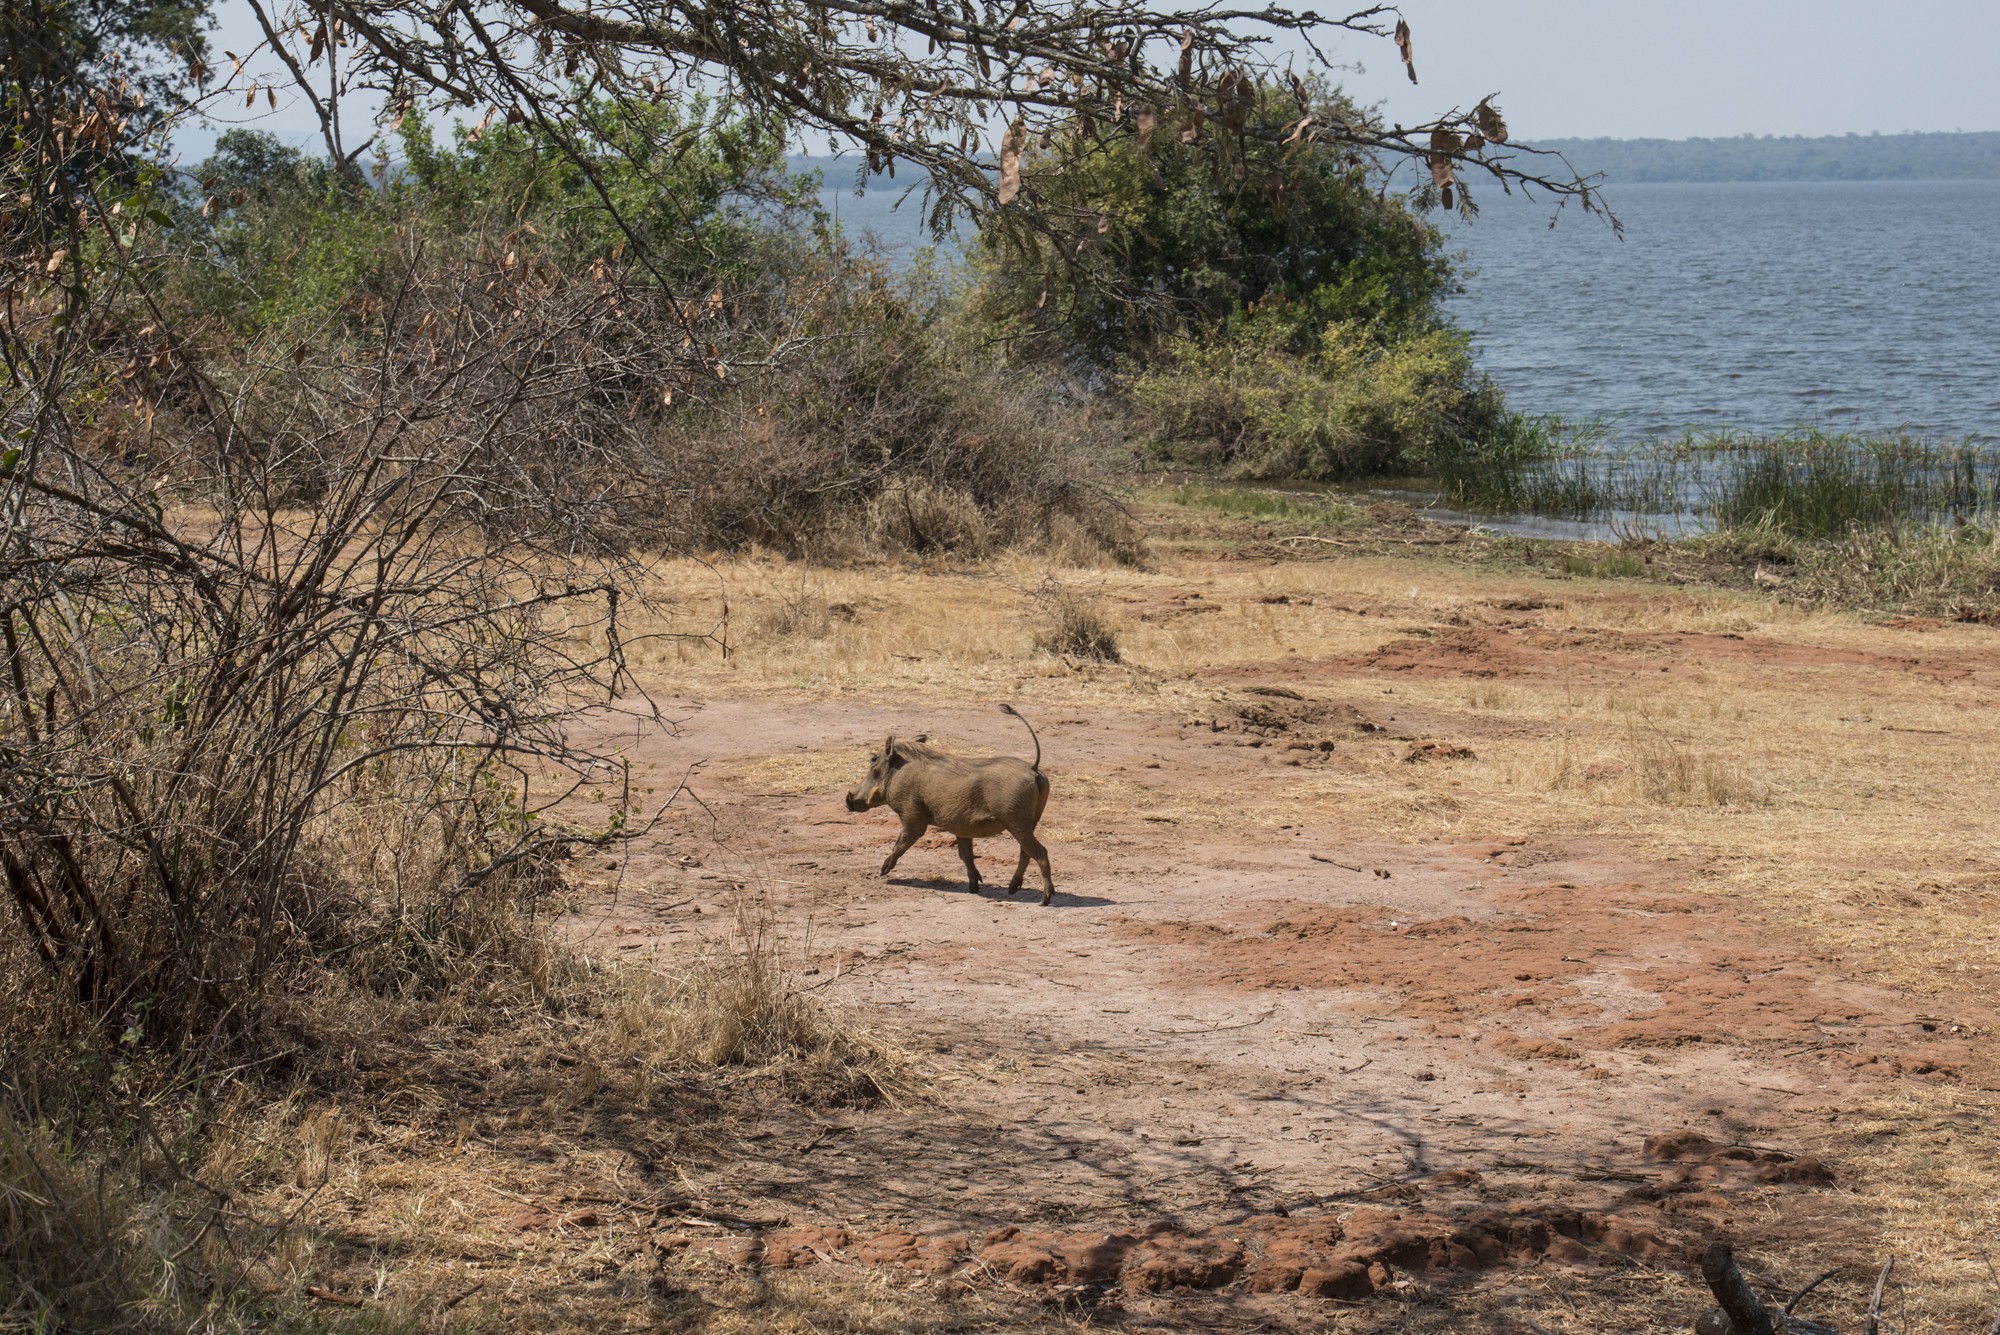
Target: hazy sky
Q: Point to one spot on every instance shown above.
(1670, 69)
(1678, 69)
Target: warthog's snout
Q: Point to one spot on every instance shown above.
(968, 798)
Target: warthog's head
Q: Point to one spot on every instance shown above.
(873, 790)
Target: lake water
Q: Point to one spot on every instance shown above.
(1759, 306)
(1854, 305)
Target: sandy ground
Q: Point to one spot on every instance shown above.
(1405, 942)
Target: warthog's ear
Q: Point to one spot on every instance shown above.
(901, 751)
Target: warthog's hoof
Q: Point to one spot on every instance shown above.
(1048, 894)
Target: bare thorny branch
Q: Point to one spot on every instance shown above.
(955, 88)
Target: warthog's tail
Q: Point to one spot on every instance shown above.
(1009, 709)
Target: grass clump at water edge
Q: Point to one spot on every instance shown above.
(1257, 503)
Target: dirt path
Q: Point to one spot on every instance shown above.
(1249, 1054)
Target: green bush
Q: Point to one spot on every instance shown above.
(1279, 318)
(1353, 405)
(1298, 231)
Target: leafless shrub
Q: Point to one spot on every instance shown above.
(924, 519)
(1665, 770)
(801, 613)
(900, 433)
(1072, 624)
(256, 604)
(62, 1256)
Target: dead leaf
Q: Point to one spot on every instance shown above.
(1010, 160)
(1487, 117)
(1407, 48)
(1445, 146)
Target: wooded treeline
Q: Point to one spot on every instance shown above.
(1848, 157)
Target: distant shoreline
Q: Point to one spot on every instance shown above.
(1851, 157)
(1970, 156)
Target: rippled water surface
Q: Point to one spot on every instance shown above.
(1855, 305)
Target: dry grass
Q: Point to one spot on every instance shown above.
(1817, 774)
(744, 1005)
(1073, 624)
(1827, 775)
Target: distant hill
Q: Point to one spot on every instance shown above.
(1851, 157)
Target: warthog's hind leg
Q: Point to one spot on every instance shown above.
(1031, 847)
(1020, 868)
(971, 867)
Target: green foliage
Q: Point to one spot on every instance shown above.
(1816, 484)
(697, 186)
(1353, 404)
(1597, 563)
(1542, 465)
(701, 189)
(1274, 310)
(1191, 239)
(1242, 503)
(1807, 484)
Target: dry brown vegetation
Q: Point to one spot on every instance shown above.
(513, 1132)
(1819, 773)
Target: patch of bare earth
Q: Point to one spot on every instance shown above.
(1246, 1067)
(1433, 949)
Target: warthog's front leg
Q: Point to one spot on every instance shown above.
(971, 867)
(913, 830)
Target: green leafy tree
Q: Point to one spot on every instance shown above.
(694, 184)
(1188, 240)
(704, 190)
(1268, 305)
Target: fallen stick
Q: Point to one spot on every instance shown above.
(458, 1298)
(1797, 1297)
(1874, 1326)
(1733, 1293)
(327, 1295)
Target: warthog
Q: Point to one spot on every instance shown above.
(972, 798)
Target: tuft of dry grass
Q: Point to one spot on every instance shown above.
(742, 1005)
(802, 613)
(1073, 625)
